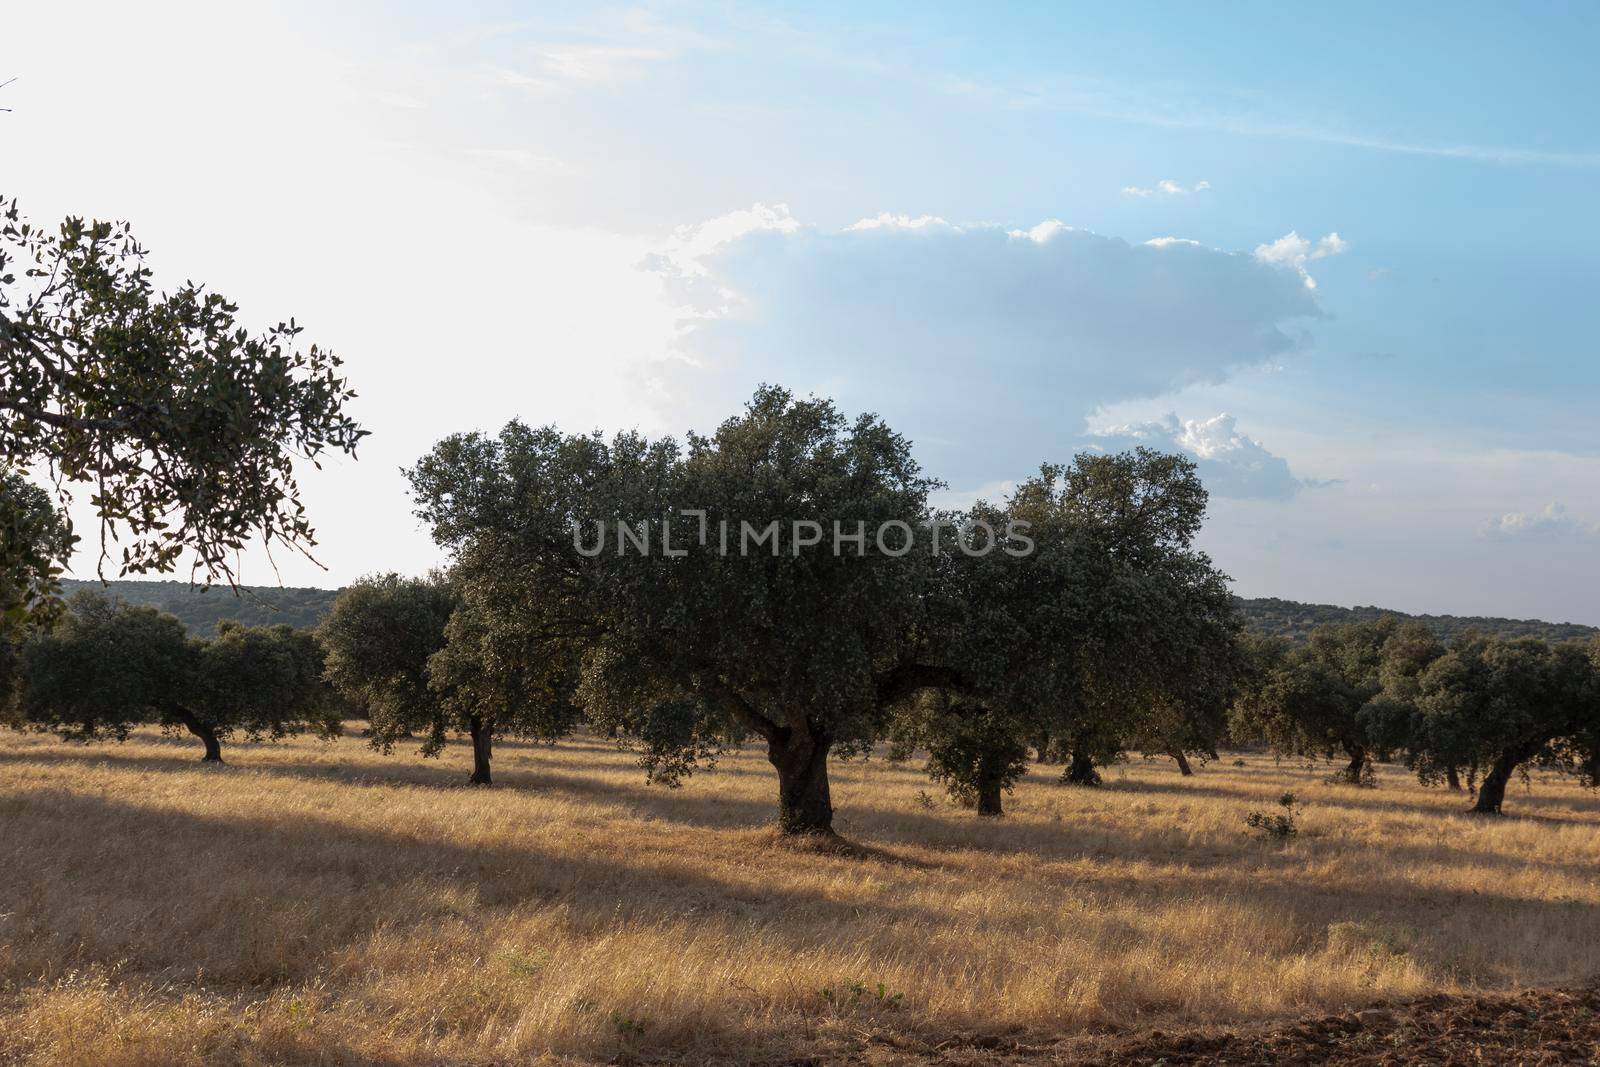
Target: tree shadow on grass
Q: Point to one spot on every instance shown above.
(1366, 799)
(275, 897)
(696, 808)
(875, 833)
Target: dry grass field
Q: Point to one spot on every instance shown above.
(314, 903)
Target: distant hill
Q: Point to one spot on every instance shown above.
(201, 610)
(1295, 621)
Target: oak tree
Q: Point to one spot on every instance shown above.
(725, 626)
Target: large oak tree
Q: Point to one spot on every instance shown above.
(687, 647)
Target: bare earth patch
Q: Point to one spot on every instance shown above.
(1534, 1027)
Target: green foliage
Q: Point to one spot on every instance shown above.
(973, 750)
(105, 668)
(1503, 704)
(859, 994)
(36, 542)
(495, 669)
(685, 653)
(1113, 631)
(109, 666)
(379, 637)
(1325, 697)
(1280, 825)
(202, 609)
(265, 682)
(1294, 622)
(186, 426)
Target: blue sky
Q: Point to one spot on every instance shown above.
(1367, 313)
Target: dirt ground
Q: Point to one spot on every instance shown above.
(1535, 1027)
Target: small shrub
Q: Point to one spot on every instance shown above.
(924, 801)
(1277, 826)
(858, 993)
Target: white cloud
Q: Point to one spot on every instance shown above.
(1165, 242)
(1166, 187)
(988, 346)
(1230, 464)
(1555, 521)
(1293, 251)
(898, 222)
(1042, 232)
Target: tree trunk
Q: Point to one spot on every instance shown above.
(1492, 793)
(1452, 778)
(206, 732)
(1183, 762)
(1358, 764)
(990, 802)
(1041, 745)
(801, 760)
(1081, 770)
(482, 749)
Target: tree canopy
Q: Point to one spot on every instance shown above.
(1107, 632)
(379, 637)
(107, 667)
(784, 578)
(1319, 700)
(36, 542)
(1504, 704)
(690, 650)
(186, 426)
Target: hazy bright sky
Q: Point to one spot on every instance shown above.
(1346, 257)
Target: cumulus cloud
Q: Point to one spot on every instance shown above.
(988, 346)
(1164, 187)
(1555, 522)
(1230, 464)
(898, 222)
(1293, 251)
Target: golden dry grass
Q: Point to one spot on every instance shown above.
(323, 904)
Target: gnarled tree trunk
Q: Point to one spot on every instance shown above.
(801, 760)
(1183, 762)
(1357, 766)
(1492, 793)
(1041, 745)
(482, 749)
(206, 732)
(1452, 778)
(990, 801)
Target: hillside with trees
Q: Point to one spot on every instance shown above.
(200, 609)
(1294, 621)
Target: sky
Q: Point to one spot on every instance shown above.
(1343, 257)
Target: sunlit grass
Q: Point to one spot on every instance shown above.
(321, 903)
